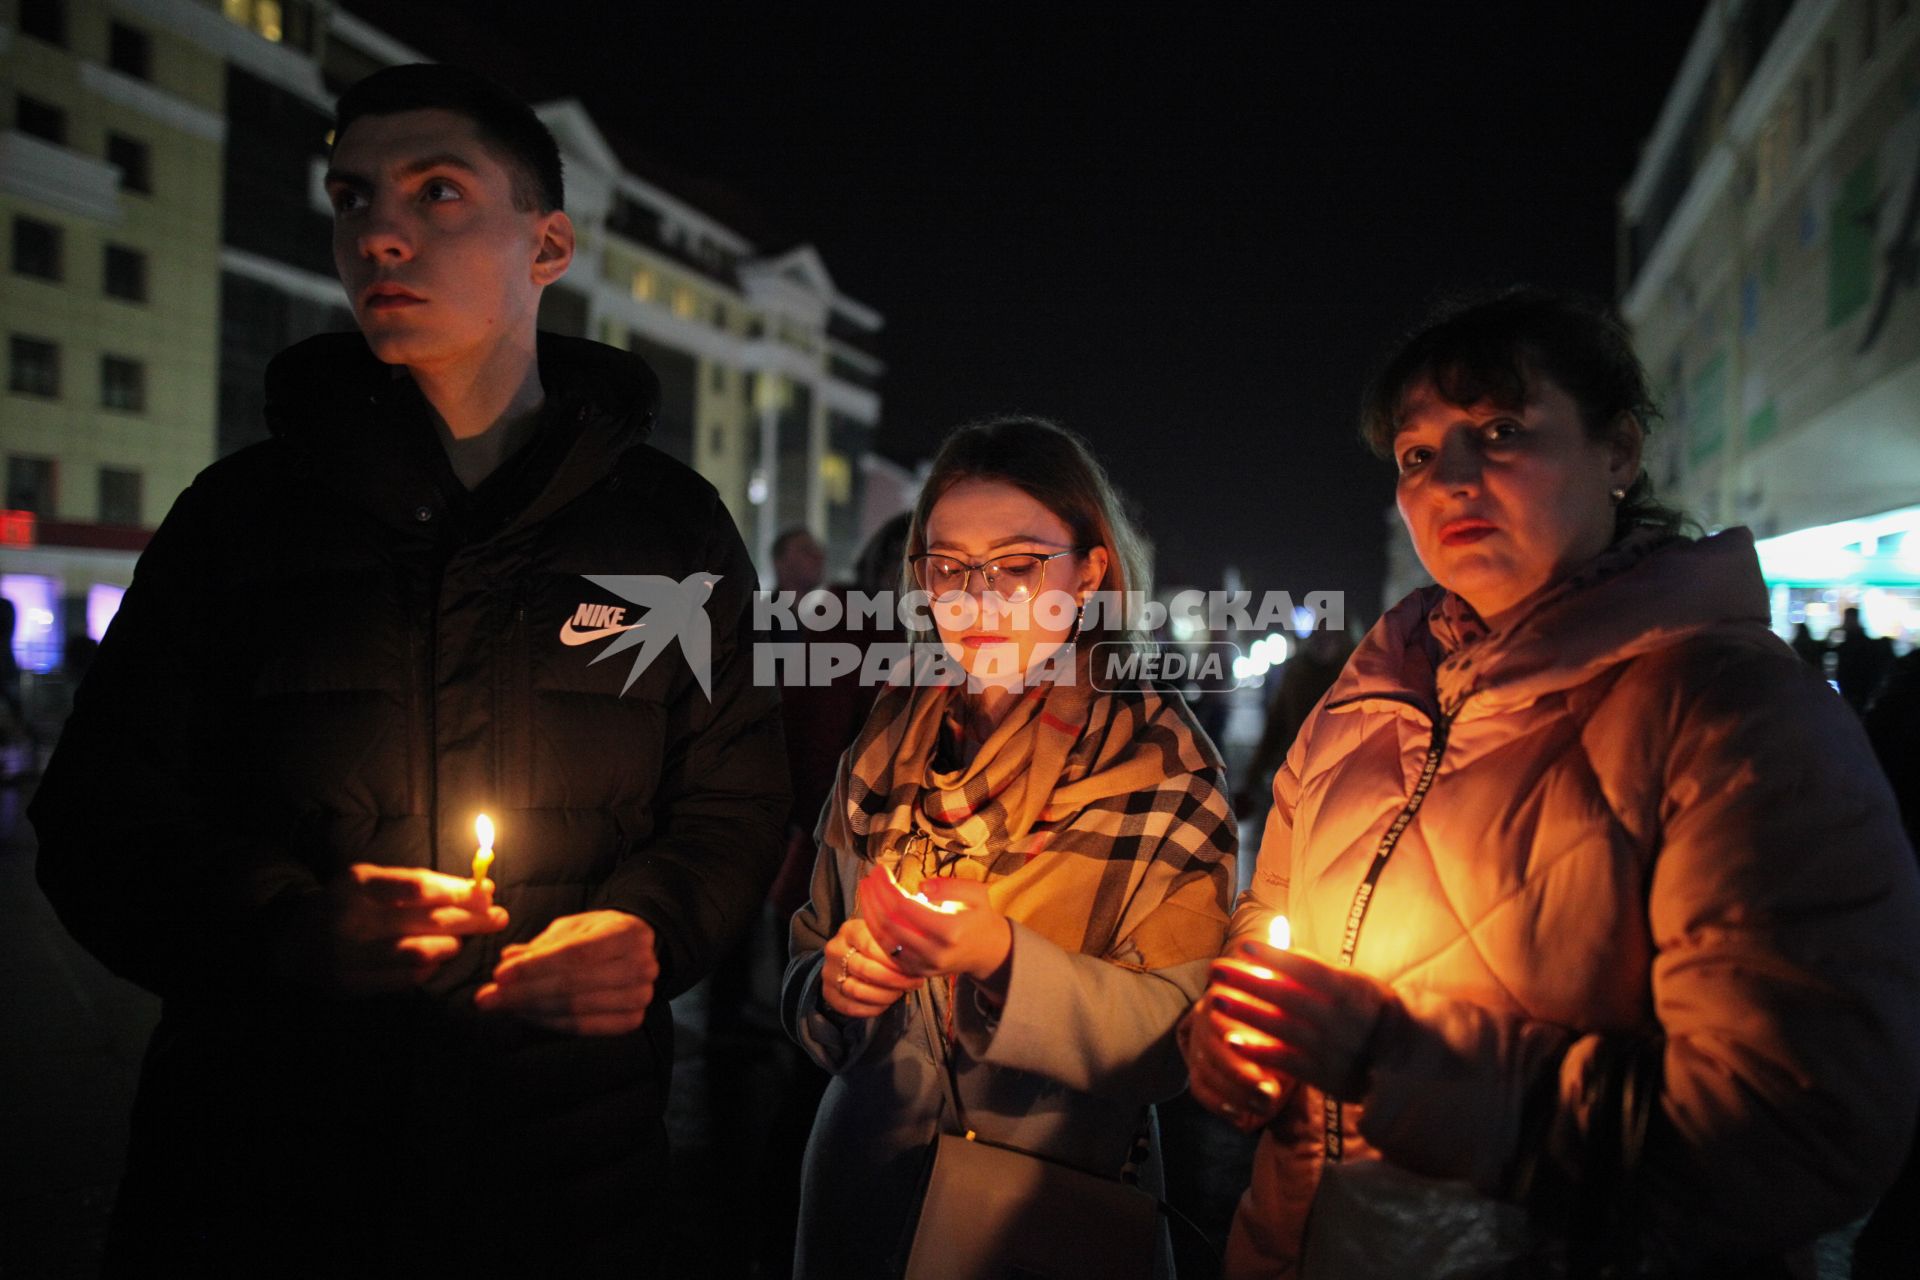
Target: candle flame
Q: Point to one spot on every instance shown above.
(1279, 933)
(483, 856)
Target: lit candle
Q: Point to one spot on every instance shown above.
(482, 856)
(1279, 934)
(1279, 937)
(946, 907)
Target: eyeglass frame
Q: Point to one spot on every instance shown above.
(986, 583)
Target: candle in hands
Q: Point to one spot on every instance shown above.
(1279, 937)
(482, 856)
(945, 907)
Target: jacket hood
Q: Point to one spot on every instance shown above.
(1645, 593)
(333, 402)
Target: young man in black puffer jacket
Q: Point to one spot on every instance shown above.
(341, 647)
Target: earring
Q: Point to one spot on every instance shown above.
(1079, 613)
(1618, 495)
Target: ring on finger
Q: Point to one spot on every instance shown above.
(898, 947)
(846, 971)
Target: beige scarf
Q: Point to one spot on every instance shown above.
(1086, 812)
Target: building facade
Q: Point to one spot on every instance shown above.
(160, 181)
(1770, 252)
(114, 125)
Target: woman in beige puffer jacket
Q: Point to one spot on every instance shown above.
(1604, 924)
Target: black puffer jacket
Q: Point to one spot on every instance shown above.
(331, 655)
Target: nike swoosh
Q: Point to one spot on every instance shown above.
(569, 635)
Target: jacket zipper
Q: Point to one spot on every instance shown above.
(1363, 898)
(433, 720)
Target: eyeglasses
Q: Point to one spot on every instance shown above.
(1012, 578)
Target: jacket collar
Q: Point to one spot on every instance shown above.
(344, 413)
(1645, 593)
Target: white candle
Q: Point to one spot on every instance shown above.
(482, 856)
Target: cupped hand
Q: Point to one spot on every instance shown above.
(923, 940)
(857, 978)
(385, 928)
(1310, 1020)
(1224, 1080)
(590, 974)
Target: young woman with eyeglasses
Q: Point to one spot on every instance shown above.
(1020, 872)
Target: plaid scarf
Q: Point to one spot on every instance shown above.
(1086, 812)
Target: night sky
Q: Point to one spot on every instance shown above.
(1188, 233)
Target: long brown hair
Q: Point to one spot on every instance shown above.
(1057, 469)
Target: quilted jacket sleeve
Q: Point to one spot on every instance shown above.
(1777, 1097)
(144, 849)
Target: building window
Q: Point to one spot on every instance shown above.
(126, 273)
(134, 161)
(41, 119)
(643, 285)
(30, 485)
(717, 380)
(33, 366)
(685, 303)
(716, 440)
(281, 21)
(119, 496)
(36, 249)
(123, 384)
(130, 51)
(44, 20)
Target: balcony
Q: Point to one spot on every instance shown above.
(35, 169)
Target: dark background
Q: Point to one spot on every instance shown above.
(1187, 232)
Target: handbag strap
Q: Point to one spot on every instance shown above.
(949, 1074)
(1137, 1154)
(1137, 1151)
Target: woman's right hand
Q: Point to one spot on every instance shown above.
(857, 978)
(1243, 1093)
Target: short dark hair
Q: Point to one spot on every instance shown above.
(1489, 347)
(788, 537)
(507, 126)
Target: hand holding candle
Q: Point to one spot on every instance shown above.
(1219, 1047)
(383, 928)
(1293, 1014)
(946, 906)
(949, 927)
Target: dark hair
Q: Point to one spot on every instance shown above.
(1489, 348)
(507, 126)
(787, 537)
(1057, 469)
(881, 561)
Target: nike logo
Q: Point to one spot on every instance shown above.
(568, 635)
(592, 622)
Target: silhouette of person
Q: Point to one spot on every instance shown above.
(1860, 661)
(1812, 652)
